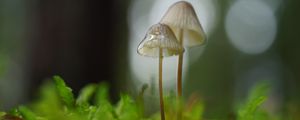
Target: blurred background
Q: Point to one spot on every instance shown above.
(93, 41)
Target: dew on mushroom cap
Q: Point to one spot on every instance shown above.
(159, 36)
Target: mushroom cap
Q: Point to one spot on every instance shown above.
(159, 36)
(182, 16)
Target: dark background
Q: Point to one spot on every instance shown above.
(77, 40)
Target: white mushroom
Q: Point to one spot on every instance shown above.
(160, 42)
(182, 19)
(159, 36)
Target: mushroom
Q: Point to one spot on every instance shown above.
(160, 42)
(182, 19)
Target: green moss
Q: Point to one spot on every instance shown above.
(2, 114)
(57, 102)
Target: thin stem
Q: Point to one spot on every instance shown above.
(162, 111)
(180, 61)
(179, 77)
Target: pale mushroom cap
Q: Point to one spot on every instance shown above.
(159, 36)
(182, 16)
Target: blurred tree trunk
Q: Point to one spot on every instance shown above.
(77, 40)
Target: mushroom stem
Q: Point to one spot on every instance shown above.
(179, 76)
(180, 61)
(162, 111)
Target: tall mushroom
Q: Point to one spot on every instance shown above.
(160, 42)
(182, 19)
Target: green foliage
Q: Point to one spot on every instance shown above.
(127, 109)
(64, 91)
(2, 114)
(57, 102)
(249, 110)
(192, 110)
(101, 96)
(86, 94)
(27, 114)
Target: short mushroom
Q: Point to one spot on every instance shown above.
(160, 42)
(182, 19)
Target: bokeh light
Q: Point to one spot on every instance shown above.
(251, 26)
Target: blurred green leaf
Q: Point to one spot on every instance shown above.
(48, 103)
(102, 94)
(86, 94)
(260, 89)
(64, 92)
(258, 94)
(27, 114)
(127, 109)
(103, 109)
(263, 115)
(2, 114)
(15, 112)
(103, 112)
(195, 112)
(248, 111)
